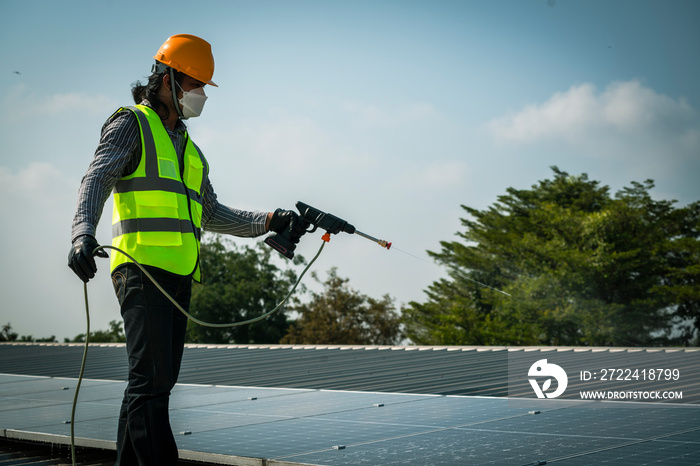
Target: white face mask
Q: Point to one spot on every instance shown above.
(192, 101)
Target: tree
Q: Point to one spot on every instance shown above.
(681, 284)
(579, 266)
(239, 283)
(341, 315)
(6, 334)
(115, 334)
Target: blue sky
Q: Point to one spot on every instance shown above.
(390, 114)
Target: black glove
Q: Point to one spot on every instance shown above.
(80, 257)
(283, 219)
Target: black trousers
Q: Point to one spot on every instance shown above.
(155, 338)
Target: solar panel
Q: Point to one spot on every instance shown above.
(304, 426)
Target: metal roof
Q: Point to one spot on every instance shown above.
(443, 370)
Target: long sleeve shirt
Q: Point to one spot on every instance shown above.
(118, 154)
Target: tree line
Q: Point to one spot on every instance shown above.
(562, 263)
(581, 267)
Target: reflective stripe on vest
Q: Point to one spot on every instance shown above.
(134, 225)
(158, 209)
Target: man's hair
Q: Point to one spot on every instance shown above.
(149, 91)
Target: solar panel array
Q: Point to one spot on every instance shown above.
(255, 426)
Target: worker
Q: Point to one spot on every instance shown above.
(163, 199)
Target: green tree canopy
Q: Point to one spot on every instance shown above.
(6, 333)
(581, 268)
(341, 315)
(115, 334)
(239, 283)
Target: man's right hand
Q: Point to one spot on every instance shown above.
(281, 219)
(81, 258)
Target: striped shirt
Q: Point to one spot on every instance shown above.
(118, 154)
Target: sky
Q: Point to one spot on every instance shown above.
(388, 114)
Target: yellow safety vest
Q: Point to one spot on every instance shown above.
(157, 217)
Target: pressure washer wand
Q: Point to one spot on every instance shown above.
(380, 242)
(285, 244)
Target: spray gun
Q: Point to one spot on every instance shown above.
(282, 242)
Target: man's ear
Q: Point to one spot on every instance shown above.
(166, 81)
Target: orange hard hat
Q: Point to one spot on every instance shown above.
(188, 54)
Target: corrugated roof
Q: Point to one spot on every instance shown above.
(445, 370)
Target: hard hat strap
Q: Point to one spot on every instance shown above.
(174, 92)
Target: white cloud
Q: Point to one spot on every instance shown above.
(622, 112)
(91, 105)
(626, 132)
(374, 116)
(41, 295)
(449, 173)
(34, 104)
(436, 175)
(279, 142)
(38, 184)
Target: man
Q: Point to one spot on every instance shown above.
(163, 199)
